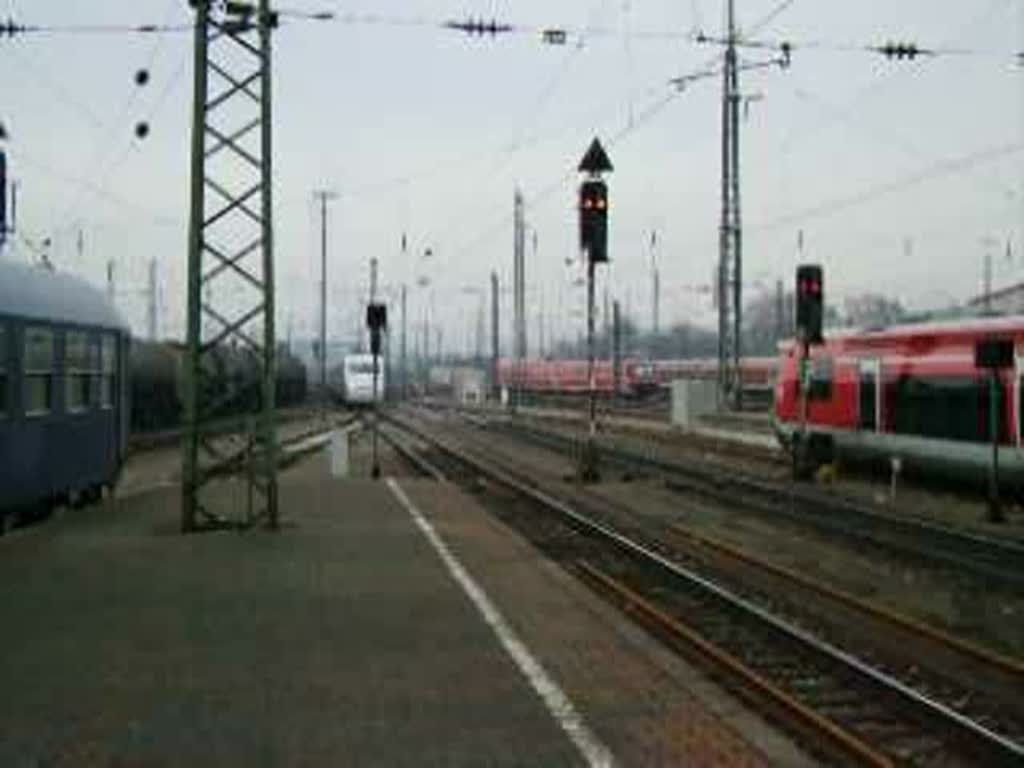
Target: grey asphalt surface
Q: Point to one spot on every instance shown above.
(340, 640)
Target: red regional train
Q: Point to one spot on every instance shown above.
(570, 377)
(910, 392)
(754, 371)
(639, 377)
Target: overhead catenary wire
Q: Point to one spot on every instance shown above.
(659, 103)
(106, 161)
(948, 167)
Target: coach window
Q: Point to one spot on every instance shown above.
(108, 369)
(3, 371)
(38, 370)
(81, 363)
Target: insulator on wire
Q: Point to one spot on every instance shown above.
(899, 51)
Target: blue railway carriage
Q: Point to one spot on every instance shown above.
(63, 391)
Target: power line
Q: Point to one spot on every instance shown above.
(950, 167)
(107, 162)
(481, 27)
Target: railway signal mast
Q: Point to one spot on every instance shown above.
(810, 312)
(377, 323)
(994, 355)
(230, 242)
(593, 211)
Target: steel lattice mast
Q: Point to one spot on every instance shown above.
(230, 261)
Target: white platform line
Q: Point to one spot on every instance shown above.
(554, 698)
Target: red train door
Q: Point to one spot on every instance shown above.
(870, 395)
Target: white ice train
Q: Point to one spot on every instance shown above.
(357, 379)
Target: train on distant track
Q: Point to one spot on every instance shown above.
(638, 378)
(909, 392)
(156, 386)
(351, 383)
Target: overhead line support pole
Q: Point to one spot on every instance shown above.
(405, 369)
(495, 333)
(591, 370)
(193, 319)
(231, 242)
(268, 429)
(730, 264)
(323, 196)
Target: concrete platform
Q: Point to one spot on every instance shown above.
(344, 639)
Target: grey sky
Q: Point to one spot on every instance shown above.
(426, 132)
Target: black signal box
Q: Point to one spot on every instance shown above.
(376, 317)
(810, 302)
(993, 353)
(594, 219)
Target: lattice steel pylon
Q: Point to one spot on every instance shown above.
(230, 359)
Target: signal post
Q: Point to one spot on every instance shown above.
(810, 311)
(593, 212)
(994, 355)
(377, 322)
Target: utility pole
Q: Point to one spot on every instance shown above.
(780, 304)
(405, 366)
(426, 340)
(230, 242)
(656, 294)
(519, 297)
(730, 254)
(495, 331)
(111, 291)
(375, 331)
(323, 195)
(478, 342)
(540, 324)
(151, 294)
(616, 352)
(655, 287)
(607, 323)
(988, 243)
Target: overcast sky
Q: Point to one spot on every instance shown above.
(896, 172)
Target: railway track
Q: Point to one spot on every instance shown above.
(995, 563)
(841, 705)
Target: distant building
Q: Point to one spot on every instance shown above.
(1003, 301)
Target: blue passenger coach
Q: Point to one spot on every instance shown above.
(63, 391)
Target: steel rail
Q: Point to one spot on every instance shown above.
(1006, 665)
(998, 747)
(996, 561)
